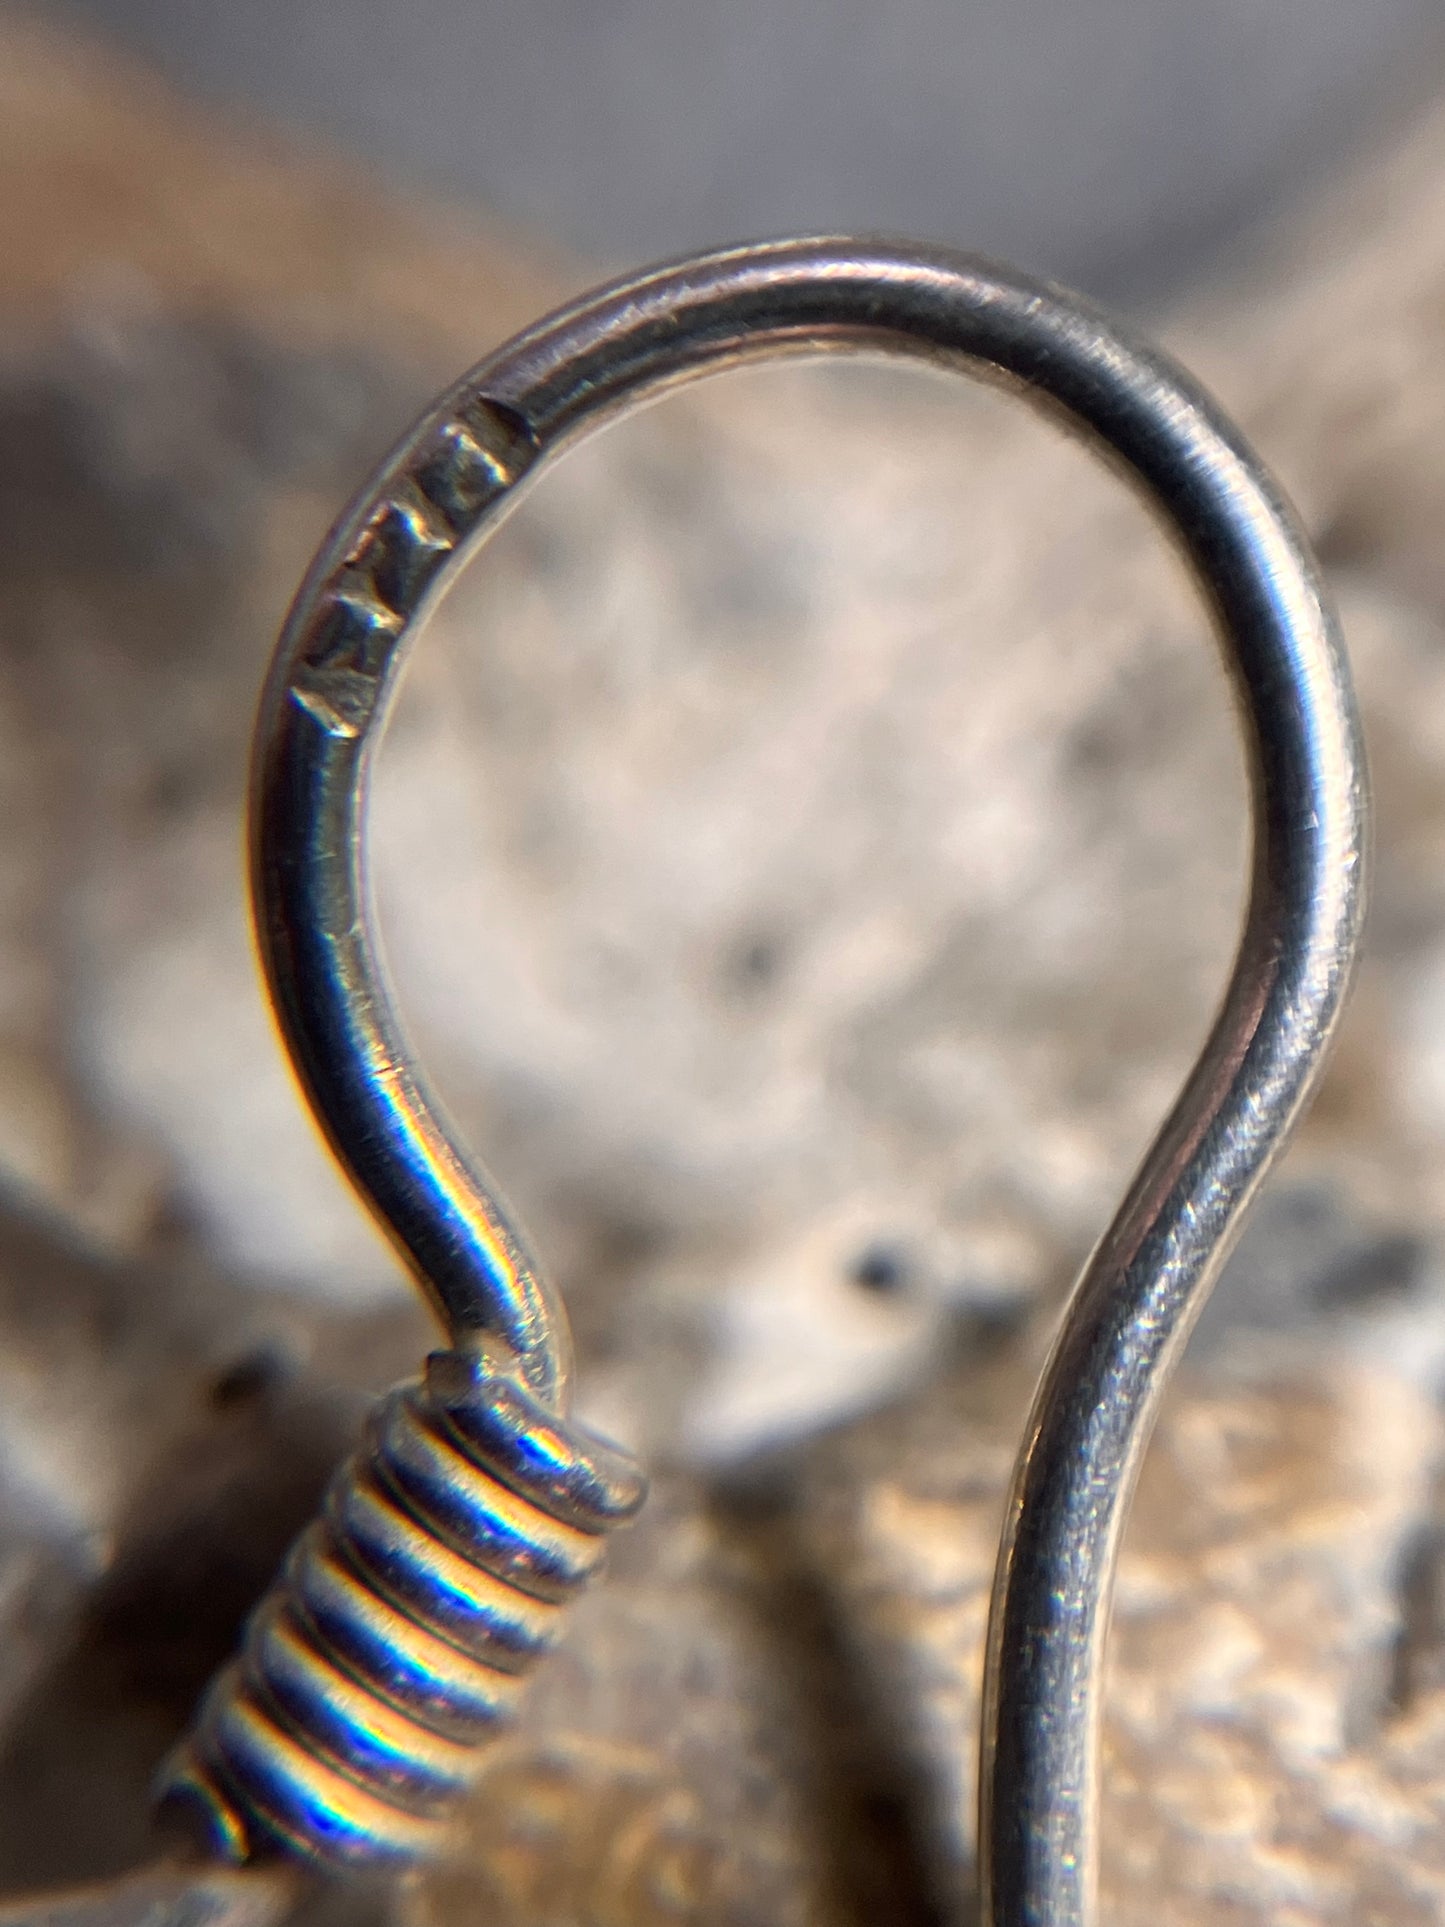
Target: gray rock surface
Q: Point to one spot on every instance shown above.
(813, 837)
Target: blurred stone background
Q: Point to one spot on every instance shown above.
(1113, 143)
(809, 851)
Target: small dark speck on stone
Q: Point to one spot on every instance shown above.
(1388, 1267)
(755, 962)
(881, 1269)
(247, 1379)
(992, 1321)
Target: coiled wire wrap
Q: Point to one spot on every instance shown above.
(403, 1624)
(438, 1572)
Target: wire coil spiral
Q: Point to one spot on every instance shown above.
(404, 1623)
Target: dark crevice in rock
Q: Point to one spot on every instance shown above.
(1417, 1663)
(863, 1819)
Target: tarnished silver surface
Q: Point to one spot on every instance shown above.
(446, 486)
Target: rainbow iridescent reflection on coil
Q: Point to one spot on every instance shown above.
(404, 1623)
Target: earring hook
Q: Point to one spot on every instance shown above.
(439, 494)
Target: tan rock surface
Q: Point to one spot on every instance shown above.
(1275, 1727)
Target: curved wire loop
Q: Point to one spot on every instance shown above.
(392, 554)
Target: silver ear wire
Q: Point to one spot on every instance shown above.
(396, 1636)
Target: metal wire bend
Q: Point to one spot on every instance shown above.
(437, 497)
